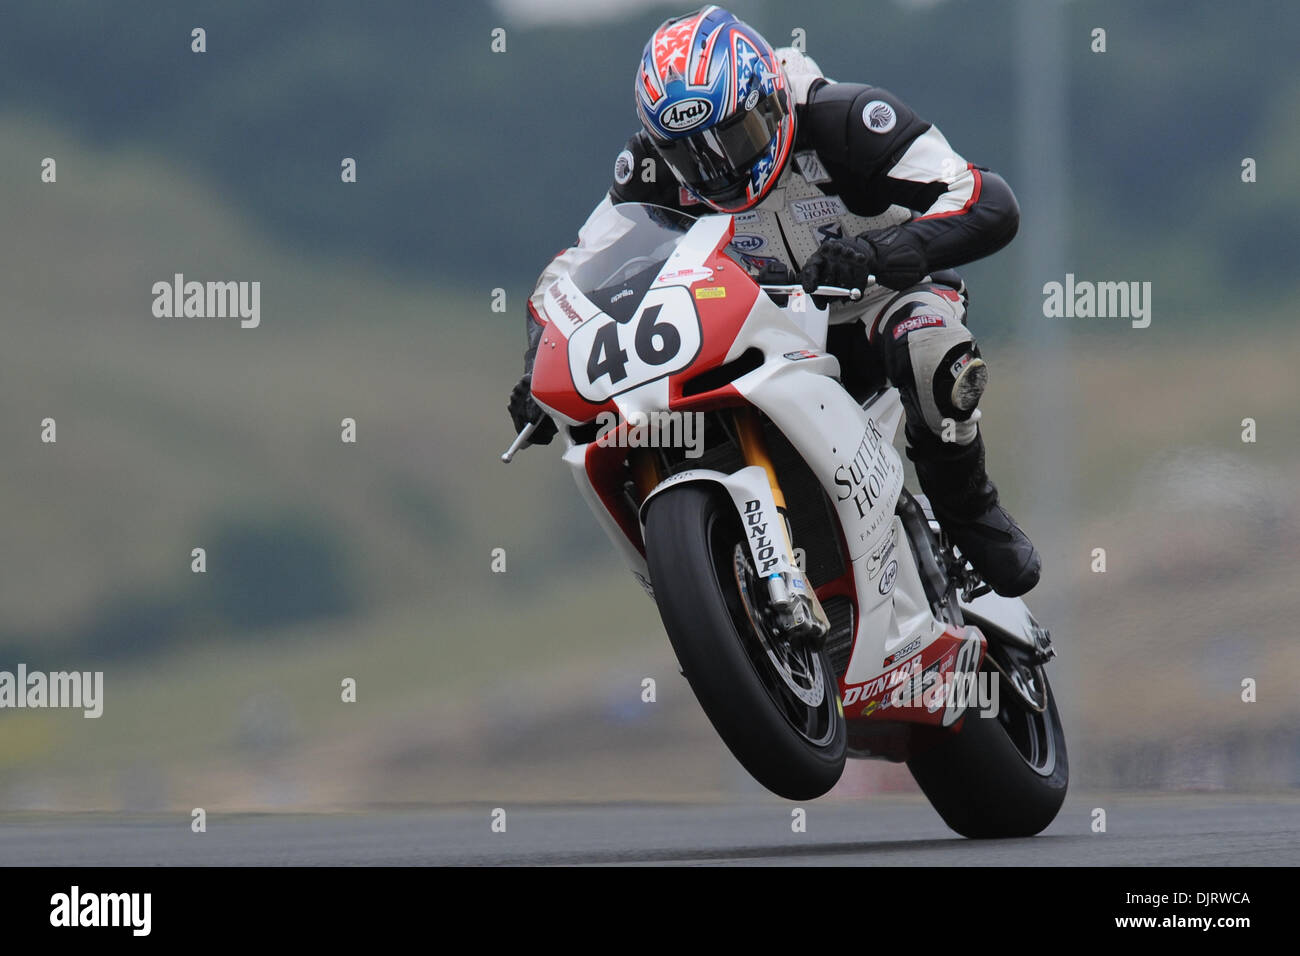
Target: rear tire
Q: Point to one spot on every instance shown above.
(789, 735)
(999, 777)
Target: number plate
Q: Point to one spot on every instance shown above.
(607, 358)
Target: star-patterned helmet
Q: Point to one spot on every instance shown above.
(711, 95)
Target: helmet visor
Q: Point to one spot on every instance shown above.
(717, 162)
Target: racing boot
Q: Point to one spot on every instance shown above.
(965, 502)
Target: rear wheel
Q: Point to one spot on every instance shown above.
(1003, 776)
(774, 704)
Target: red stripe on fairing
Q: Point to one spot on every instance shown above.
(974, 198)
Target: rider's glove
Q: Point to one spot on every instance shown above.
(894, 256)
(847, 263)
(523, 409)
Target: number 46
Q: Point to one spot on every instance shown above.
(656, 343)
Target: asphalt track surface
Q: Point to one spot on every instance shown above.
(1189, 830)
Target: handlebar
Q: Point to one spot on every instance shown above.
(829, 291)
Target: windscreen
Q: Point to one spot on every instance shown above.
(633, 241)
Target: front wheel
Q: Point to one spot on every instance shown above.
(775, 705)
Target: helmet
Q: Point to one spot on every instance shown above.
(712, 97)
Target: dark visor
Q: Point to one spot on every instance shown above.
(717, 162)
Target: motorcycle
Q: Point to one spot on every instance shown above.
(814, 604)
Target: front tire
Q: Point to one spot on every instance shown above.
(776, 707)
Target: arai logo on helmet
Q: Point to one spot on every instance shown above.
(686, 114)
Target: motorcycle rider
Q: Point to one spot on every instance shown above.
(836, 182)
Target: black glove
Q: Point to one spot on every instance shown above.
(893, 256)
(840, 262)
(523, 409)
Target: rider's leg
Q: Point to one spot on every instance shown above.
(930, 356)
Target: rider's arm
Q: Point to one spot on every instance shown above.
(964, 212)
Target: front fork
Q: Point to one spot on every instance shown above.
(795, 610)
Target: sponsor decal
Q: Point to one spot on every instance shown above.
(562, 302)
(760, 541)
(945, 688)
(818, 207)
(801, 354)
(751, 100)
(685, 197)
(884, 682)
(685, 114)
(960, 364)
(916, 322)
(686, 276)
(867, 475)
(619, 296)
(623, 167)
(811, 168)
(832, 230)
(877, 559)
(745, 242)
(903, 652)
(744, 219)
(887, 579)
(711, 292)
(879, 116)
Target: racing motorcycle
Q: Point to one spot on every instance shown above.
(815, 606)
